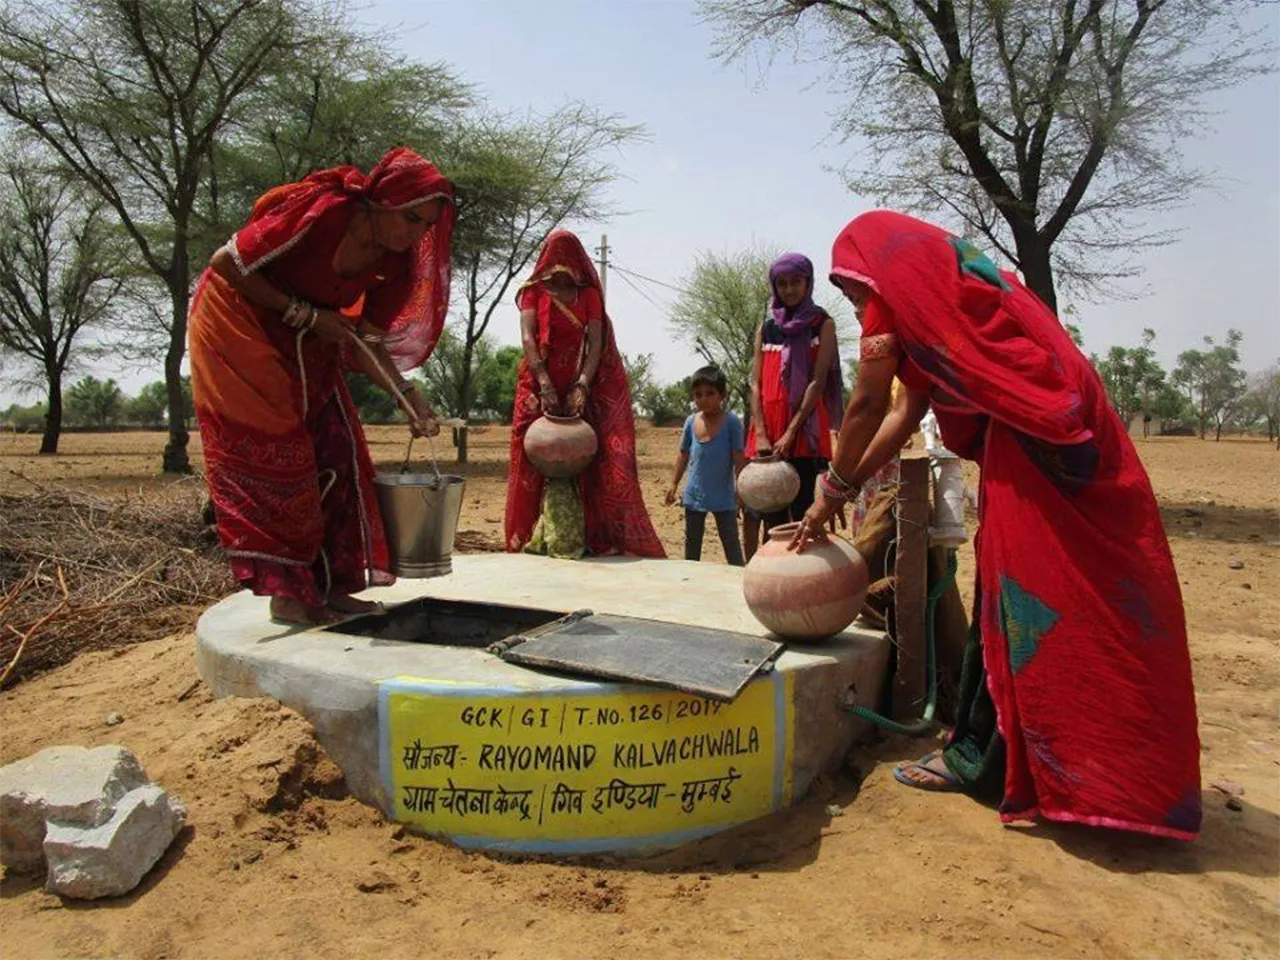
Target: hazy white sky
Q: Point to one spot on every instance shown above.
(736, 158)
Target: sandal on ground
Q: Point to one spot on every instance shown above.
(949, 782)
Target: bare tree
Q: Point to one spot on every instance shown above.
(132, 96)
(1049, 127)
(1264, 399)
(517, 180)
(60, 274)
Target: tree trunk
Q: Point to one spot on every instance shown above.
(464, 393)
(53, 419)
(175, 451)
(1037, 270)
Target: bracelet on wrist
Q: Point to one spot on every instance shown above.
(831, 492)
(299, 315)
(837, 481)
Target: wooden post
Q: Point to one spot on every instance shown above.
(911, 567)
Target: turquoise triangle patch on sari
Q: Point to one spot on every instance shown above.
(976, 263)
(1026, 620)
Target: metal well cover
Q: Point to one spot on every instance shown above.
(699, 660)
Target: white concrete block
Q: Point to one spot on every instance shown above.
(111, 859)
(71, 785)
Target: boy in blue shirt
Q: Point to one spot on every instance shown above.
(711, 450)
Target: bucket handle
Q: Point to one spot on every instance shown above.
(431, 449)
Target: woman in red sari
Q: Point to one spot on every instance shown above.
(572, 365)
(270, 336)
(1076, 693)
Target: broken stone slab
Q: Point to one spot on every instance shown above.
(112, 858)
(69, 785)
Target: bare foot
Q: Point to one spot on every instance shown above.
(286, 610)
(347, 604)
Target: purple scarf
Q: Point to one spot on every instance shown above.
(799, 327)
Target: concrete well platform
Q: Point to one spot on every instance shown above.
(455, 742)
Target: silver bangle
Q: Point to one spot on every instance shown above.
(836, 480)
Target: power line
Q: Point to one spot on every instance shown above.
(641, 276)
(709, 301)
(627, 280)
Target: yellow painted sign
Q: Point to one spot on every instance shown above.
(553, 772)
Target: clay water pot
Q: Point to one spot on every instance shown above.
(560, 446)
(767, 486)
(805, 596)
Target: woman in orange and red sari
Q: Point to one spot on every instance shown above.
(572, 366)
(337, 257)
(1076, 698)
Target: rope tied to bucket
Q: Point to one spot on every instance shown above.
(404, 404)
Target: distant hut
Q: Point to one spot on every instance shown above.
(1145, 425)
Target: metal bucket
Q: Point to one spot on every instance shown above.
(420, 513)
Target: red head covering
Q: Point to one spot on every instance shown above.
(975, 331)
(563, 252)
(402, 179)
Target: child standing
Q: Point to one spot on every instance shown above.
(711, 450)
(797, 396)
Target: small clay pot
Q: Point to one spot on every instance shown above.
(805, 596)
(560, 446)
(767, 486)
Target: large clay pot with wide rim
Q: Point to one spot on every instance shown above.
(560, 446)
(767, 486)
(805, 596)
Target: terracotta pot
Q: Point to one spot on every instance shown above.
(767, 486)
(560, 446)
(805, 596)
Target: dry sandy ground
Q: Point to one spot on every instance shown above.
(277, 863)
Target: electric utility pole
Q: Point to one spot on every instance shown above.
(603, 263)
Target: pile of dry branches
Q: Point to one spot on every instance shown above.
(82, 572)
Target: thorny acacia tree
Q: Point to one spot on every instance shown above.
(1264, 397)
(1046, 126)
(724, 302)
(1132, 376)
(517, 179)
(346, 102)
(60, 274)
(132, 96)
(1214, 381)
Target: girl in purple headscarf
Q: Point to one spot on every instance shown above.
(797, 396)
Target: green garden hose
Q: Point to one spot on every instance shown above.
(925, 723)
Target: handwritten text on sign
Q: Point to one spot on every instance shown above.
(552, 767)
